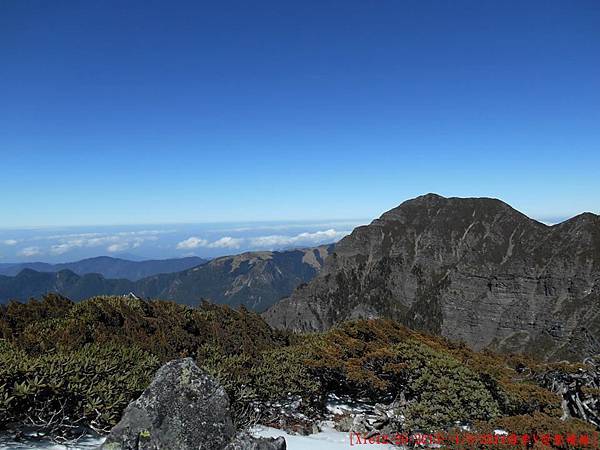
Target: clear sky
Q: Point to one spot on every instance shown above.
(121, 112)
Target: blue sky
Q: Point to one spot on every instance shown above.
(147, 112)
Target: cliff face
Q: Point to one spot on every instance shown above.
(474, 270)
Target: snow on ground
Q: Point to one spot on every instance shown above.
(344, 405)
(328, 438)
(83, 444)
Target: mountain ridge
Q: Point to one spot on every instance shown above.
(471, 269)
(110, 267)
(252, 279)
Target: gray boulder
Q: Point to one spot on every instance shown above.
(244, 441)
(184, 408)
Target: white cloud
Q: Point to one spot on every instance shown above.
(192, 242)
(59, 249)
(322, 236)
(293, 225)
(271, 241)
(146, 234)
(119, 241)
(10, 242)
(63, 237)
(30, 251)
(226, 242)
(318, 237)
(117, 247)
(265, 242)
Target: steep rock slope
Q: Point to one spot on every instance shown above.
(470, 269)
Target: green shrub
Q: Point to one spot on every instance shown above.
(89, 387)
(166, 329)
(272, 376)
(282, 373)
(438, 388)
(537, 428)
(444, 391)
(232, 372)
(15, 316)
(63, 363)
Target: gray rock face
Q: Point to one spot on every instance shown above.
(474, 270)
(183, 408)
(244, 441)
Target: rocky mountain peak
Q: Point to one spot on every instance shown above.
(471, 269)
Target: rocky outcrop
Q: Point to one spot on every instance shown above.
(577, 389)
(472, 269)
(184, 408)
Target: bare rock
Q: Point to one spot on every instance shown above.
(184, 408)
(244, 441)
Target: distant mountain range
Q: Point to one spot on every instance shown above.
(256, 280)
(109, 267)
(470, 269)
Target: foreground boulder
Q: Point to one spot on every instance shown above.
(183, 408)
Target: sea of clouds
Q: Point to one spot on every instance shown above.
(164, 241)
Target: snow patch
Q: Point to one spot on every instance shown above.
(87, 443)
(327, 439)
